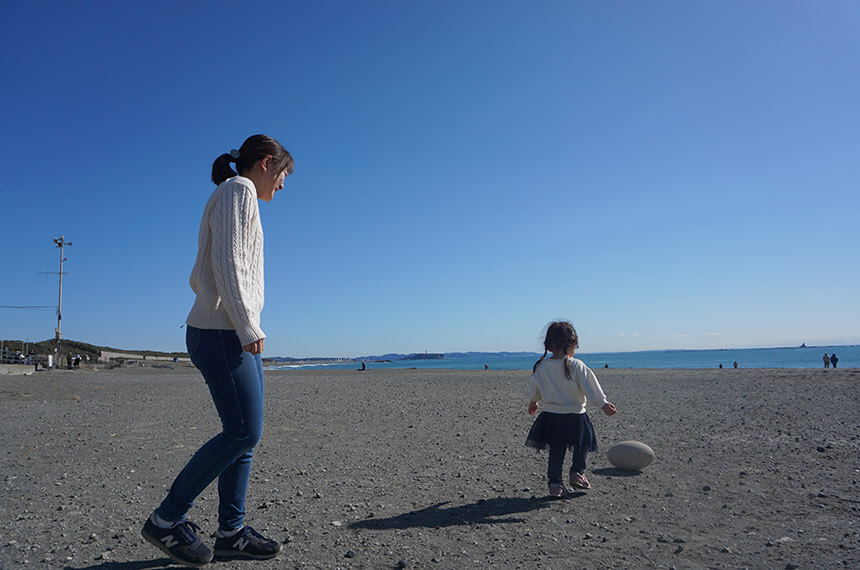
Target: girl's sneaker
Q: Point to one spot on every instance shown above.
(247, 543)
(179, 542)
(556, 491)
(578, 481)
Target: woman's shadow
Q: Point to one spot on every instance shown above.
(133, 565)
(485, 511)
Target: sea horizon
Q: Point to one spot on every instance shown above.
(770, 357)
(530, 352)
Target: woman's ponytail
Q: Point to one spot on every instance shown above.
(221, 169)
(255, 147)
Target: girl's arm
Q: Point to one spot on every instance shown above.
(593, 392)
(534, 396)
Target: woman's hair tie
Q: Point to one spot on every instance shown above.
(234, 154)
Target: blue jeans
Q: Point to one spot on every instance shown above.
(235, 380)
(556, 462)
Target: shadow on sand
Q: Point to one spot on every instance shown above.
(134, 565)
(613, 472)
(485, 511)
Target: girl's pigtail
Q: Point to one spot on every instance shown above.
(567, 368)
(221, 169)
(539, 361)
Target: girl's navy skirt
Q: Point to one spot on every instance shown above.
(573, 430)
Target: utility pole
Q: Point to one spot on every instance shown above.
(61, 243)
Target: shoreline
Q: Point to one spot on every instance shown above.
(428, 467)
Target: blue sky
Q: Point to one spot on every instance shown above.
(664, 174)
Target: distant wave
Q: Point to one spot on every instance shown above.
(282, 366)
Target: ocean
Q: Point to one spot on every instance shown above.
(809, 357)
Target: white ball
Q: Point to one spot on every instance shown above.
(630, 455)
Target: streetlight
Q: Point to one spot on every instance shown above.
(61, 243)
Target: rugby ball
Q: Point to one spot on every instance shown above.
(630, 455)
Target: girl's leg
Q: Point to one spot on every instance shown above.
(556, 461)
(235, 382)
(579, 459)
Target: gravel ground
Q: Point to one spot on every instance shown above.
(428, 469)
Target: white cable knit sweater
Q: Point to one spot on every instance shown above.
(228, 273)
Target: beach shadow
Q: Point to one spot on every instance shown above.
(133, 565)
(615, 472)
(485, 511)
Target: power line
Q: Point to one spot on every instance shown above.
(38, 307)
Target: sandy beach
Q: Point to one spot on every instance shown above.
(428, 469)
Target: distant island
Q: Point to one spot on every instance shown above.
(423, 356)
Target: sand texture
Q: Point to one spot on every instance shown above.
(428, 469)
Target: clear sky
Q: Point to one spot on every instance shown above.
(666, 174)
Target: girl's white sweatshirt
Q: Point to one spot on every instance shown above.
(557, 394)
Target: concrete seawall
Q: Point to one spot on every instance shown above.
(16, 369)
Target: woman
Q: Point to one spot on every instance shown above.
(224, 342)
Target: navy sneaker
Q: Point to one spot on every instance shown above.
(247, 543)
(179, 542)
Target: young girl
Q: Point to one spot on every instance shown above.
(565, 385)
(224, 342)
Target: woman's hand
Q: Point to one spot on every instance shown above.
(609, 409)
(532, 407)
(255, 347)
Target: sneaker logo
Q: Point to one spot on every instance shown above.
(169, 541)
(241, 543)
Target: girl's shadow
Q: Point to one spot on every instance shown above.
(485, 511)
(615, 472)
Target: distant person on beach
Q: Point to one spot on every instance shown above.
(826, 361)
(735, 363)
(224, 342)
(834, 359)
(564, 385)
